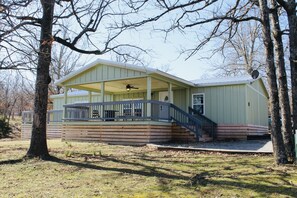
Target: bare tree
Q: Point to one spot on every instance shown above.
(244, 52)
(282, 82)
(290, 8)
(64, 61)
(98, 24)
(278, 146)
(224, 18)
(15, 95)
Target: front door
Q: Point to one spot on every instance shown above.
(163, 109)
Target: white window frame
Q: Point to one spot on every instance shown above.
(203, 95)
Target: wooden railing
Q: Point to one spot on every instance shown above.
(207, 124)
(52, 116)
(27, 117)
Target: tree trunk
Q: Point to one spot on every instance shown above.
(38, 146)
(292, 18)
(280, 156)
(283, 87)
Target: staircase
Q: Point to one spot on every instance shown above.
(189, 127)
(181, 134)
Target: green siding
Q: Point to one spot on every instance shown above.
(224, 104)
(257, 111)
(179, 98)
(258, 85)
(103, 73)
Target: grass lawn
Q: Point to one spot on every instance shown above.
(101, 170)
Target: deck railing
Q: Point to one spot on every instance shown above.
(186, 120)
(52, 116)
(117, 111)
(207, 125)
(132, 110)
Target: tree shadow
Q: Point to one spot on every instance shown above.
(207, 178)
(12, 161)
(148, 171)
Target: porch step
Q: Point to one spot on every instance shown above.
(181, 134)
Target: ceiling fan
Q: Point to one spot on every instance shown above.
(129, 87)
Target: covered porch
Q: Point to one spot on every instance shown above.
(133, 105)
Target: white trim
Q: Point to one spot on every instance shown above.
(147, 70)
(257, 91)
(203, 94)
(224, 81)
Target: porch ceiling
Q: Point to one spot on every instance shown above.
(120, 85)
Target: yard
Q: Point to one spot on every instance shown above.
(101, 170)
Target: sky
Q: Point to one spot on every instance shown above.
(166, 54)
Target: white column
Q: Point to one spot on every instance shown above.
(187, 99)
(102, 91)
(65, 100)
(170, 95)
(90, 101)
(148, 95)
(90, 97)
(102, 87)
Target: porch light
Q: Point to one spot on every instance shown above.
(128, 87)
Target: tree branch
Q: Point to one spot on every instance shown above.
(71, 46)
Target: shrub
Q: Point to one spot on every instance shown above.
(5, 129)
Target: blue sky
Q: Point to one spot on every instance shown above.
(166, 53)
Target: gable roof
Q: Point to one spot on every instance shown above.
(224, 81)
(147, 70)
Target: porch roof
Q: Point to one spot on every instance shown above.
(117, 75)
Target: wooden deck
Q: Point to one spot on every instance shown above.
(127, 134)
(139, 133)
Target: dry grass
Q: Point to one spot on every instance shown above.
(100, 170)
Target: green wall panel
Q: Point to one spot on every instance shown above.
(103, 73)
(224, 104)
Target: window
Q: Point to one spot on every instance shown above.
(198, 103)
(133, 108)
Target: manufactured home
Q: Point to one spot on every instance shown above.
(125, 104)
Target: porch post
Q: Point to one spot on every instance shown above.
(148, 95)
(102, 98)
(102, 91)
(65, 101)
(170, 95)
(187, 99)
(90, 101)
(90, 97)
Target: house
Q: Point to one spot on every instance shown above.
(125, 104)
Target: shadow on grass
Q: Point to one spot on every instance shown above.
(13, 161)
(260, 188)
(209, 178)
(151, 172)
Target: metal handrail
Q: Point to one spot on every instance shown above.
(207, 124)
(186, 120)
